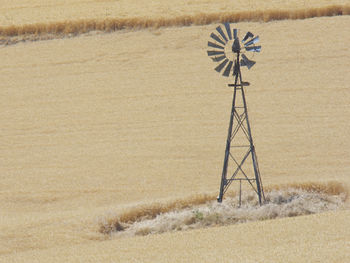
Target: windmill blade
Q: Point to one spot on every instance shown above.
(234, 33)
(216, 38)
(246, 62)
(248, 35)
(228, 69)
(251, 42)
(221, 33)
(228, 30)
(243, 63)
(217, 59)
(210, 44)
(253, 48)
(221, 66)
(215, 53)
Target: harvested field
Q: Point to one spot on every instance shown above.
(95, 127)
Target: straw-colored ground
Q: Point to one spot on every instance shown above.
(98, 123)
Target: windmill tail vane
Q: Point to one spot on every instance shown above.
(231, 53)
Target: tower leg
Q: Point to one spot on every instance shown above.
(228, 146)
(253, 153)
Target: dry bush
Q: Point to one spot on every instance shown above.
(68, 28)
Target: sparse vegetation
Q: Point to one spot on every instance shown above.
(282, 201)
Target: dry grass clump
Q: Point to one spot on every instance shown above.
(72, 28)
(203, 210)
(144, 212)
(330, 188)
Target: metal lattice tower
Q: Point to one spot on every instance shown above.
(229, 53)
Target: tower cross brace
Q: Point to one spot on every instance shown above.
(239, 121)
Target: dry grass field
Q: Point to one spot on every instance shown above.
(99, 123)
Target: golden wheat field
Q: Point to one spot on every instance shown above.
(111, 113)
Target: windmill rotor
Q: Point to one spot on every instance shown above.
(225, 47)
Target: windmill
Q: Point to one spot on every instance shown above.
(226, 49)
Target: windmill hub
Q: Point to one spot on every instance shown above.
(225, 48)
(236, 47)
